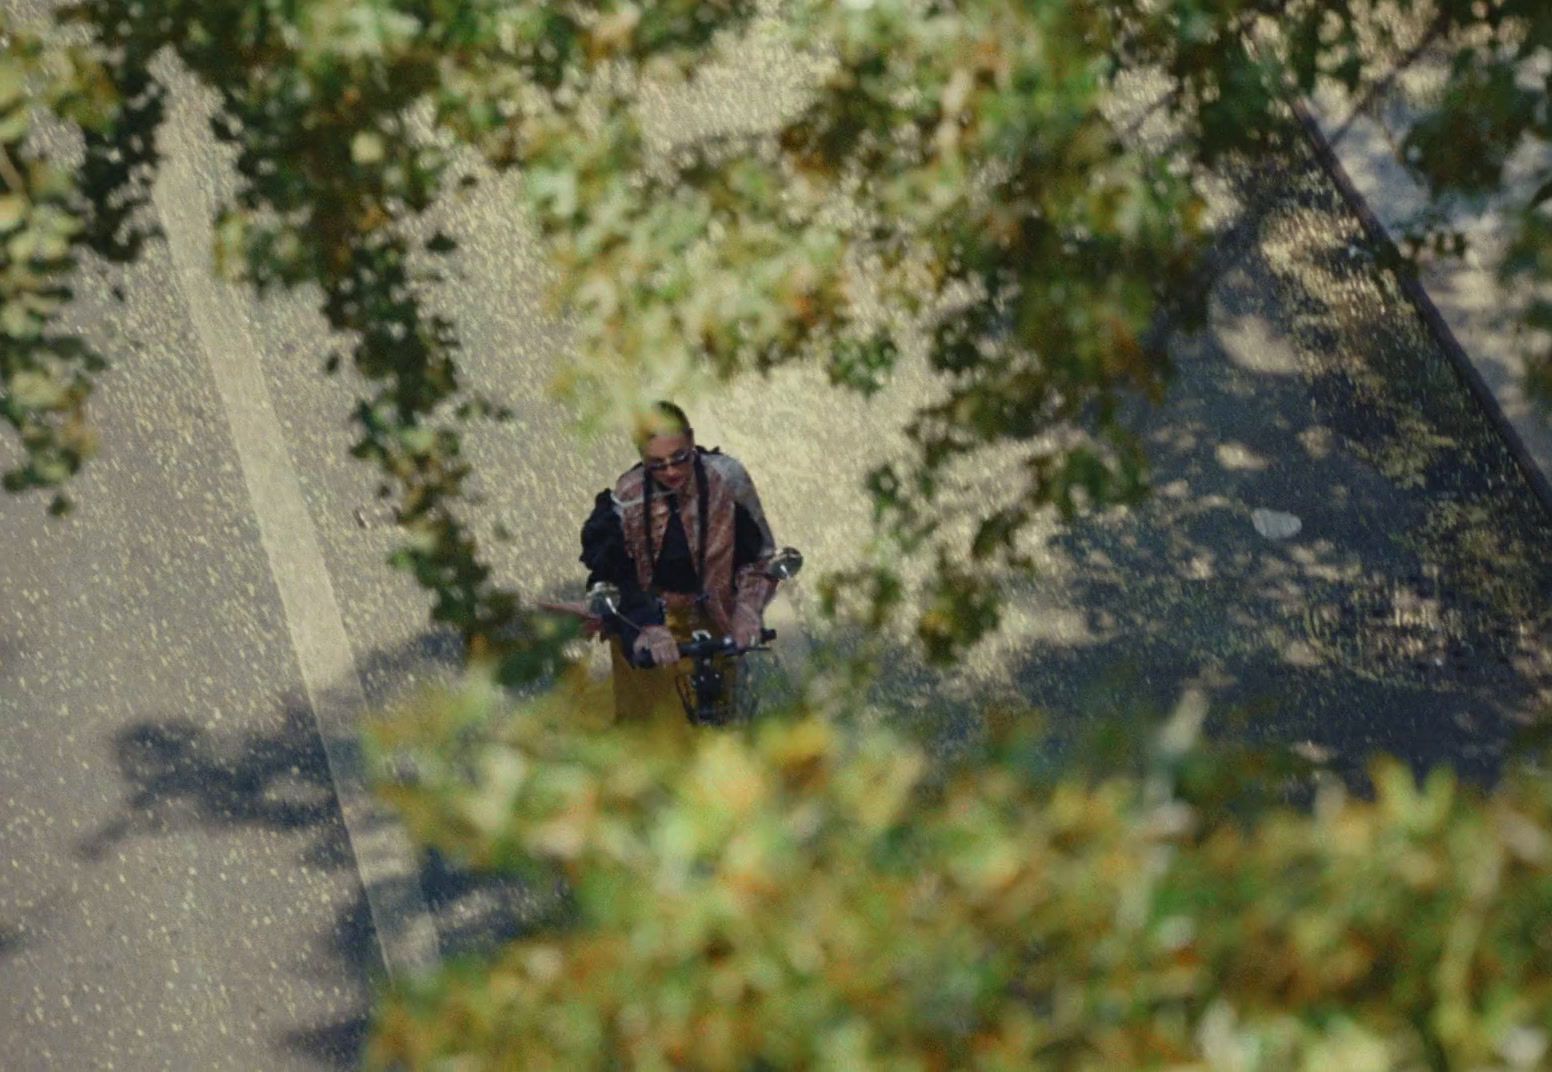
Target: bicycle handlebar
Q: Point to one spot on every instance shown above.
(705, 648)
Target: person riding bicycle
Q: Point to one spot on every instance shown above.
(677, 574)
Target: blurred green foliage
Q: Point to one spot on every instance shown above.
(46, 216)
(820, 893)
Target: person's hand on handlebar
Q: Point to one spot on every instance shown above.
(660, 643)
(747, 628)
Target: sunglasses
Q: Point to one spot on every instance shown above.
(678, 457)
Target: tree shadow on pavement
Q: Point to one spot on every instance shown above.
(1338, 549)
(1406, 614)
(179, 776)
(11, 940)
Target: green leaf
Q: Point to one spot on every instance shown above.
(36, 390)
(367, 148)
(13, 81)
(13, 210)
(14, 125)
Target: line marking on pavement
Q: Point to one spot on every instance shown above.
(385, 859)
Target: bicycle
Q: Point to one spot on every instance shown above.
(701, 691)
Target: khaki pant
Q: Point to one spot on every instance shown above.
(651, 695)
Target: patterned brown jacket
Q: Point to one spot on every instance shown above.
(727, 486)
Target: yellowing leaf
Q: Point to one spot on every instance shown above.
(367, 148)
(13, 209)
(36, 390)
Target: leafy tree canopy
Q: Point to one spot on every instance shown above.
(996, 201)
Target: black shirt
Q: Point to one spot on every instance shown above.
(607, 559)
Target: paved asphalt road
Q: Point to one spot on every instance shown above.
(181, 660)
